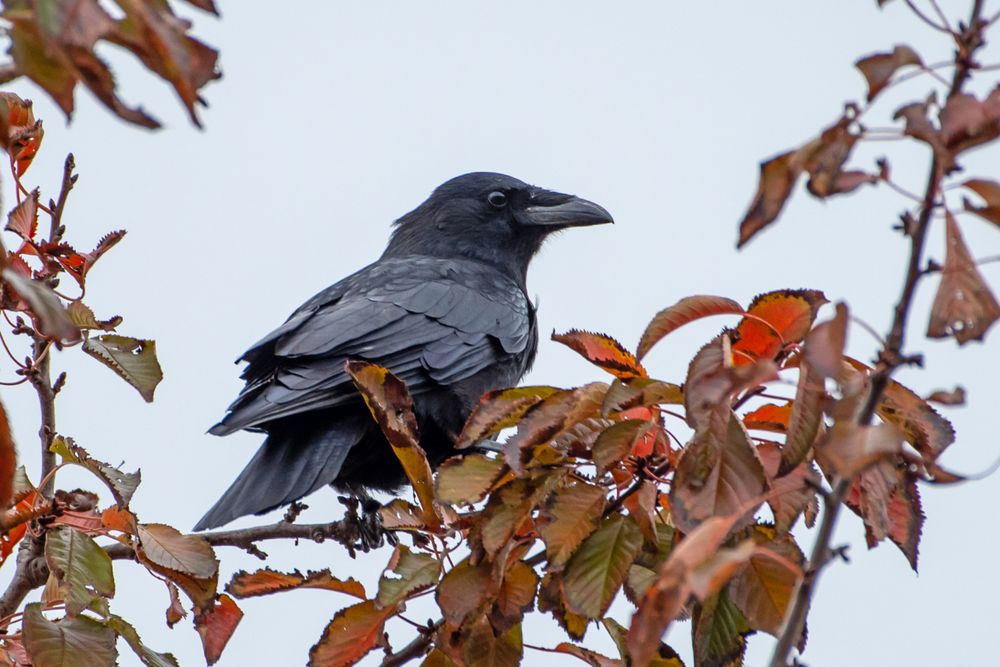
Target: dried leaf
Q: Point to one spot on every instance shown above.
(954, 396)
(850, 448)
(8, 463)
(879, 68)
(121, 484)
(990, 192)
(777, 179)
(147, 656)
(763, 588)
(23, 218)
(624, 395)
(500, 409)
(46, 308)
(966, 122)
(266, 581)
(792, 493)
(964, 306)
(464, 589)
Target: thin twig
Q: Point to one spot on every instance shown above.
(926, 19)
(69, 180)
(415, 649)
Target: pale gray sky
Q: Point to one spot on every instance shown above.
(332, 119)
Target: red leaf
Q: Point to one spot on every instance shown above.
(603, 351)
(789, 314)
(216, 626)
(686, 310)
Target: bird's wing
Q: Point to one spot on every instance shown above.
(432, 322)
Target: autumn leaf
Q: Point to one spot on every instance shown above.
(23, 218)
(467, 479)
(951, 397)
(762, 589)
(20, 134)
(569, 516)
(967, 122)
(82, 567)
(598, 567)
(464, 589)
(879, 68)
(603, 351)
(624, 395)
(777, 180)
(406, 574)
(8, 462)
(515, 597)
(391, 405)
(168, 547)
(550, 600)
(133, 359)
(146, 655)
(791, 494)
(769, 417)
(688, 309)
(774, 320)
(850, 448)
(216, 625)
(964, 306)
(500, 409)
(266, 581)
(719, 632)
(122, 485)
(46, 308)
(489, 649)
(79, 641)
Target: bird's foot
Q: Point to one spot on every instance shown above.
(370, 533)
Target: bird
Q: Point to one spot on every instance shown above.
(445, 308)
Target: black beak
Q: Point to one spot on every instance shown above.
(553, 209)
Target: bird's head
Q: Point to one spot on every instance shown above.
(492, 218)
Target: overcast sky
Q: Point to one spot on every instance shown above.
(333, 119)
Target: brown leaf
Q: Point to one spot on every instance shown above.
(763, 588)
(175, 612)
(551, 417)
(500, 409)
(918, 126)
(887, 500)
(826, 159)
(266, 581)
(569, 517)
(46, 308)
(353, 632)
(467, 479)
(624, 395)
(966, 122)
(791, 493)
(990, 192)
(550, 600)
(849, 448)
(964, 306)
(879, 68)
(390, 403)
(603, 351)
(718, 474)
(777, 179)
(954, 396)
(465, 589)
(23, 218)
(516, 596)
(168, 547)
(686, 310)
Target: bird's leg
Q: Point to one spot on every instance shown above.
(371, 534)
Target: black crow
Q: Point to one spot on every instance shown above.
(445, 308)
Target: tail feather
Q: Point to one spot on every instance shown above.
(289, 465)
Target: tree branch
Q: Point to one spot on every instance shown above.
(890, 359)
(415, 649)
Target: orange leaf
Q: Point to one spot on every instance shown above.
(778, 318)
(769, 417)
(686, 310)
(216, 626)
(603, 351)
(266, 581)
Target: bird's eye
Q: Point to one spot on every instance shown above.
(497, 199)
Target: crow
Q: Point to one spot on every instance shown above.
(444, 308)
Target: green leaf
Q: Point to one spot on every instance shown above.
(74, 641)
(407, 573)
(131, 358)
(597, 569)
(168, 547)
(83, 568)
(149, 657)
(467, 479)
(719, 633)
(83, 317)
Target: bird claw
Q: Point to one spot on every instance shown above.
(368, 523)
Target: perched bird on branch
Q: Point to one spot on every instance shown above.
(444, 308)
